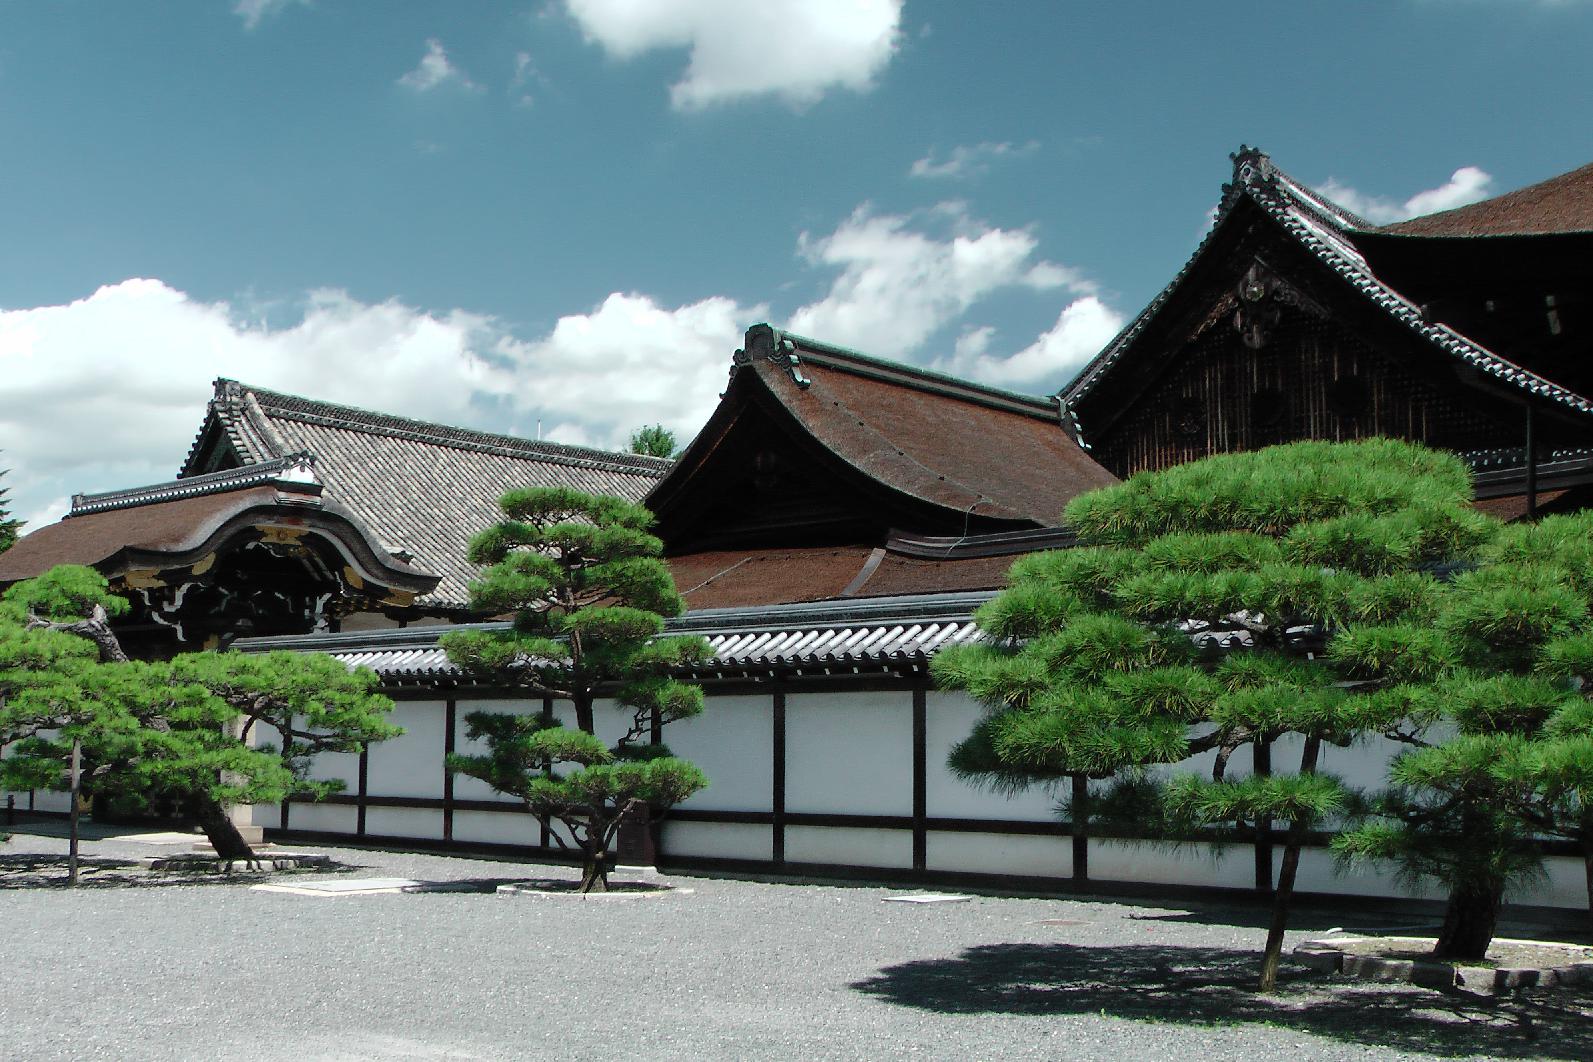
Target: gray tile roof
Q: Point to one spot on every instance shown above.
(422, 489)
(828, 637)
(1324, 229)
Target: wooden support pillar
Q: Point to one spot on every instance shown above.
(920, 772)
(777, 794)
(450, 739)
(1532, 466)
(1261, 765)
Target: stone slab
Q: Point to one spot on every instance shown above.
(930, 898)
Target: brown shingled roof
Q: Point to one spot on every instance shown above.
(1559, 204)
(937, 439)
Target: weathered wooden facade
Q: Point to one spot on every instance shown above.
(1470, 330)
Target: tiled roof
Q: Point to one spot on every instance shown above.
(957, 450)
(423, 489)
(1324, 229)
(830, 637)
(1562, 204)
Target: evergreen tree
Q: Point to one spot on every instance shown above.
(589, 595)
(177, 730)
(1093, 668)
(653, 440)
(8, 526)
(1514, 759)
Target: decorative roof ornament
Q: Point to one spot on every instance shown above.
(770, 344)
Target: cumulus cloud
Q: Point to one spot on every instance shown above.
(899, 284)
(253, 12)
(1466, 185)
(969, 160)
(796, 50)
(435, 70)
(1055, 357)
(109, 390)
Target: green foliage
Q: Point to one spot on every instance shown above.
(589, 595)
(8, 526)
(653, 440)
(1089, 669)
(179, 729)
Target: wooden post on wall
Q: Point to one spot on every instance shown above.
(545, 837)
(450, 739)
(363, 793)
(1532, 466)
(777, 796)
(1261, 765)
(920, 772)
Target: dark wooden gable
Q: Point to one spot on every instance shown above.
(1266, 345)
(755, 478)
(1281, 328)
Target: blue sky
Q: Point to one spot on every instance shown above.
(564, 212)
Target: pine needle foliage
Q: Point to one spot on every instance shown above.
(582, 578)
(1092, 668)
(162, 732)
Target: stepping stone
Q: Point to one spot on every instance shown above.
(347, 887)
(930, 897)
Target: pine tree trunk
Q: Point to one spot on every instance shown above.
(1470, 920)
(583, 713)
(219, 829)
(594, 849)
(1273, 954)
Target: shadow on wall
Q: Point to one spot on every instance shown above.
(1213, 986)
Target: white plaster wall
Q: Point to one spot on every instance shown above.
(396, 822)
(325, 818)
(849, 753)
(990, 853)
(718, 840)
(846, 846)
(1195, 865)
(1564, 884)
(949, 718)
(732, 741)
(410, 765)
(496, 827)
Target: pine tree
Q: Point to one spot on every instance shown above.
(1515, 757)
(589, 595)
(177, 730)
(1092, 666)
(8, 526)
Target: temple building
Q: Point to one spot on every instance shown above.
(1470, 330)
(839, 518)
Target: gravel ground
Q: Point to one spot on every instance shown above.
(124, 969)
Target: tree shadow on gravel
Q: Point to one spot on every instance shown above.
(1214, 987)
(35, 871)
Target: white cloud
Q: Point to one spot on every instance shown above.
(897, 286)
(436, 70)
(796, 50)
(1466, 185)
(966, 160)
(1083, 328)
(253, 12)
(108, 391)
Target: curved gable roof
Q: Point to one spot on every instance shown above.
(936, 441)
(1324, 230)
(423, 489)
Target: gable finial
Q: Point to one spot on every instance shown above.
(767, 343)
